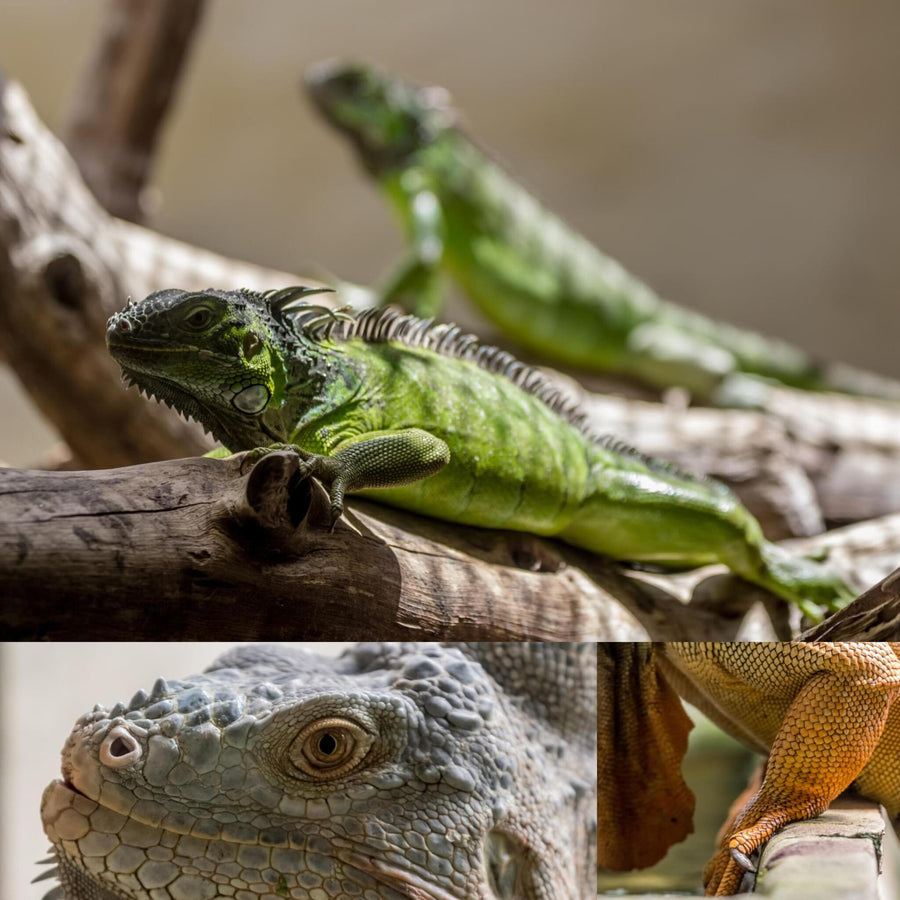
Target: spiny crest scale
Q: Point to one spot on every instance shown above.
(391, 324)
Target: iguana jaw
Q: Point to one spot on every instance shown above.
(62, 795)
(236, 429)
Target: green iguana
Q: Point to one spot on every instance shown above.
(541, 282)
(439, 425)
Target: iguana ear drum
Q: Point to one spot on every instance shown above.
(329, 748)
(252, 400)
(251, 345)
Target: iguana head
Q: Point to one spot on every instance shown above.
(215, 356)
(385, 118)
(398, 771)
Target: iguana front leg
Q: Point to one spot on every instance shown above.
(379, 459)
(831, 729)
(416, 284)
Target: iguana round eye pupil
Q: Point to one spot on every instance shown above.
(199, 318)
(329, 748)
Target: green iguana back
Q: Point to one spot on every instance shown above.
(541, 282)
(438, 424)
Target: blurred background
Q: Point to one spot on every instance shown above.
(740, 157)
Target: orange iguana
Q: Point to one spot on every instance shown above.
(824, 712)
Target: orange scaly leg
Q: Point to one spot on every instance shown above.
(831, 729)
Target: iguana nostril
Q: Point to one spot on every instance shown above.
(119, 748)
(123, 325)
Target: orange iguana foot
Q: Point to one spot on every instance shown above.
(825, 712)
(821, 707)
(724, 872)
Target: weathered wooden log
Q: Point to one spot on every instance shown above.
(195, 548)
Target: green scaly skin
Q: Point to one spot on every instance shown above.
(427, 420)
(542, 283)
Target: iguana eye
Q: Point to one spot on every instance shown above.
(198, 319)
(330, 748)
(251, 345)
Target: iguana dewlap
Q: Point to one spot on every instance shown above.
(823, 712)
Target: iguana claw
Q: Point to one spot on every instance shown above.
(252, 457)
(742, 860)
(337, 510)
(306, 468)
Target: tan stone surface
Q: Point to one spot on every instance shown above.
(831, 857)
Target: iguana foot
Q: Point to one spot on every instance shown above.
(252, 457)
(309, 465)
(724, 873)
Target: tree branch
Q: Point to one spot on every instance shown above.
(191, 548)
(65, 266)
(124, 95)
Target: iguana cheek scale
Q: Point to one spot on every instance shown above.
(425, 418)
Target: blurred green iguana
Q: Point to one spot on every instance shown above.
(541, 282)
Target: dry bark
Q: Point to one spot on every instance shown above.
(65, 267)
(124, 95)
(193, 548)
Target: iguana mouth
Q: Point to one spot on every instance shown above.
(404, 883)
(115, 341)
(64, 782)
(71, 787)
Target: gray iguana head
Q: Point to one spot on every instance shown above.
(414, 771)
(386, 118)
